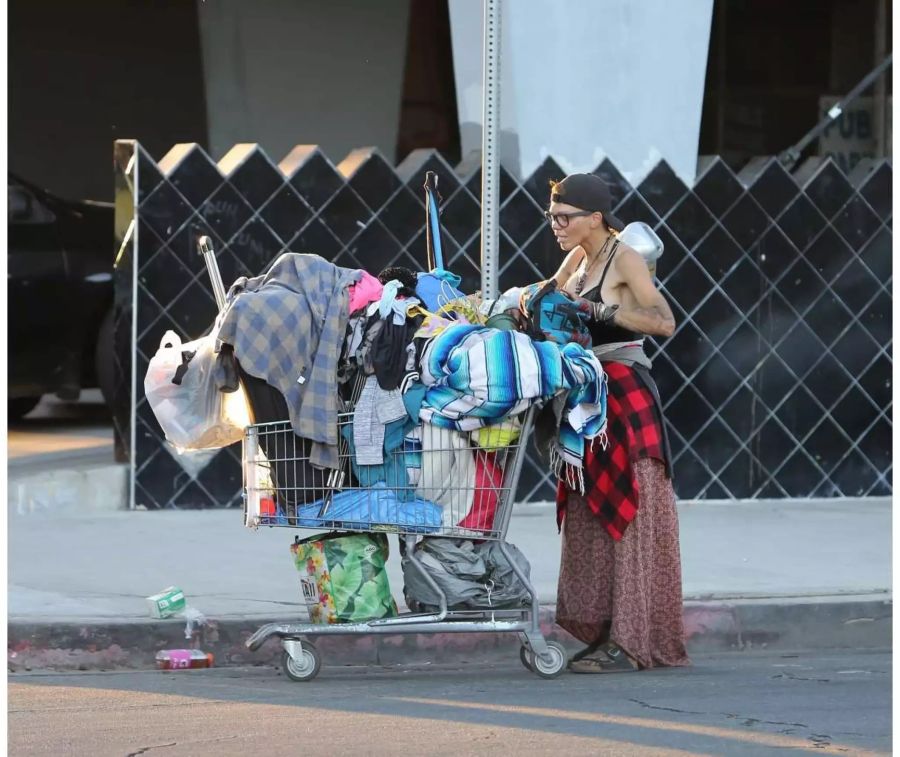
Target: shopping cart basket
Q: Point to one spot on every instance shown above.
(480, 512)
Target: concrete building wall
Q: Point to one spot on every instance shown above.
(588, 79)
(283, 73)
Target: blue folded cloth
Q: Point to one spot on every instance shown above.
(437, 288)
(377, 505)
(393, 470)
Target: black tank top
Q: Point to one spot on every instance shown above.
(607, 333)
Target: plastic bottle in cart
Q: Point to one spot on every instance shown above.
(182, 659)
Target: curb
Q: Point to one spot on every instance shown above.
(802, 624)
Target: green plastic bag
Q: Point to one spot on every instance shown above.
(343, 578)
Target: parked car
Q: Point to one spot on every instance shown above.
(60, 292)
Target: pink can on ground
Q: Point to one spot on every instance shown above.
(183, 659)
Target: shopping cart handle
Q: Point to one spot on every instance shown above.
(205, 248)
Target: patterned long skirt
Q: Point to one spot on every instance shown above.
(628, 592)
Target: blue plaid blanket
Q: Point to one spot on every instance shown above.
(477, 376)
(287, 327)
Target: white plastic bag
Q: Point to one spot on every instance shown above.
(193, 414)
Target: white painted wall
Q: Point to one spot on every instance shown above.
(289, 72)
(588, 79)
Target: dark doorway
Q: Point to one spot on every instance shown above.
(428, 115)
(774, 66)
(84, 74)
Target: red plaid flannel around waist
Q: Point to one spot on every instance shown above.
(634, 431)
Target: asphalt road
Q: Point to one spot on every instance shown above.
(727, 704)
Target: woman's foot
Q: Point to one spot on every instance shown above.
(588, 650)
(608, 658)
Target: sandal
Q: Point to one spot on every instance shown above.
(609, 658)
(588, 650)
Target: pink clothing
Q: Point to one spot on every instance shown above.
(367, 289)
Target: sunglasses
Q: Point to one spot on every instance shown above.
(562, 219)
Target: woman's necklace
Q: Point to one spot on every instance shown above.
(582, 277)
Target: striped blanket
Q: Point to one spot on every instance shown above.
(476, 376)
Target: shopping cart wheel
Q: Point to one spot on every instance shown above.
(306, 667)
(527, 657)
(555, 665)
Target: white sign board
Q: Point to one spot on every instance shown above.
(851, 137)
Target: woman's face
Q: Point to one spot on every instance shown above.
(570, 235)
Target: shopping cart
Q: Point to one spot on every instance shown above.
(407, 513)
(423, 498)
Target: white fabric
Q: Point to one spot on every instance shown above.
(448, 472)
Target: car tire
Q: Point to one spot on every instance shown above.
(104, 359)
(20, 407)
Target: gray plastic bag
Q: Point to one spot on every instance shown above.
(455, 567)
(471, 577)
(507, 590)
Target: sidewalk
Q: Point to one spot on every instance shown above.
(61, 459)
(806, 573)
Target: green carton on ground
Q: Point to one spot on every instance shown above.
(343, 578)
(167, 603)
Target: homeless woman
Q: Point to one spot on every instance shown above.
(620, 574)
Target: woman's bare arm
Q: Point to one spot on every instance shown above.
(652, 314)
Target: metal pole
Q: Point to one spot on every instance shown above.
(789, 157)
(205, 248)
(490, 158)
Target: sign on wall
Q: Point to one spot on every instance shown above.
(851, 137)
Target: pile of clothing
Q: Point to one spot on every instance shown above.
(398, 381)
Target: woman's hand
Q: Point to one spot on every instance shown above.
(598, 312)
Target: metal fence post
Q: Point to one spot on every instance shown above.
(490, 202)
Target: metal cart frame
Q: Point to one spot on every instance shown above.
(301, 659)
